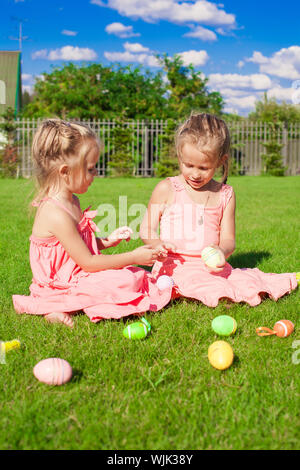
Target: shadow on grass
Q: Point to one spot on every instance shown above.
(77, 376)
(248, 260)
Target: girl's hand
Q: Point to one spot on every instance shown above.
(121, 233)
(163, 250)
(145, 255)
(221, 264)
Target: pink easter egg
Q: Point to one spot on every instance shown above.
(53, 371)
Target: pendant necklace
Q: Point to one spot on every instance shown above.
(200, 221)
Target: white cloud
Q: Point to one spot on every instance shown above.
(144, 59)
(242, 104)
(202, 33)
(240, 92)
(240, 64)
(281, 94)
(28, 88)
(284, 63)
(120, 30)
(66, 53)
(135, 47)
(199, 11)
(26, 77)
(134, 52)
(41, 54)
(67, 32)
(194, 57)
(234, 80)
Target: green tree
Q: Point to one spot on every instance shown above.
(187, 89)
(97, 92)
(168, 162)
(268, 110)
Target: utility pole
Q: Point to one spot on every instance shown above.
(20, 38)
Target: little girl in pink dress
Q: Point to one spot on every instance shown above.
(195, 211)
(69, 271)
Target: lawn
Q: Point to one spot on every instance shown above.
(161, 392)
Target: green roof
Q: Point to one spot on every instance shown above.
(10, 80)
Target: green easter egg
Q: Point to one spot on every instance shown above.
(143, 319)
(224, 325)
(137, 330)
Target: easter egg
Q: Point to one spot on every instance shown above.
(211, 256)
(224, 325)
(137, 330)
(220, 355)
(164, 282)
(283, 328)
(53, 371)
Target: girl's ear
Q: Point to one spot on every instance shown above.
(223, 160)
(64, 170)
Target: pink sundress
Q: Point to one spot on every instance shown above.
(60, 285)
(191, 227)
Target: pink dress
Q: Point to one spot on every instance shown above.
(191, 227)
(60, 285)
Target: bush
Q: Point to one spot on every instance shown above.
(9, 158)
(272, 159)
(121, 162)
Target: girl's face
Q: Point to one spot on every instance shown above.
(83, 178)
(197, 167)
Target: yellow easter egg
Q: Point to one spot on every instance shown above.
(220, 355)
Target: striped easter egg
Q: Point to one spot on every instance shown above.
(137, 330)
(53, 371)
(283, 328)
(210, 256)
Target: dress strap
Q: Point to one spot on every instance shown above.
(61, 205)
(226, 194)
(176, 183)
(56, 201)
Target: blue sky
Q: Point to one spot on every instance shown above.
(243, 48)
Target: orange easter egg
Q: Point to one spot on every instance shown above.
(283, 328)
(53, 371)
(220, 355)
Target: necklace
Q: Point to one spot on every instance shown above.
(200, 221)
(201, 218)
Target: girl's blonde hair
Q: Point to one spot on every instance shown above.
(56, 142)
(205, 131)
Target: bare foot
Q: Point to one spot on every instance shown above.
(60, 317)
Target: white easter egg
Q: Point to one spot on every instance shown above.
(164, 282)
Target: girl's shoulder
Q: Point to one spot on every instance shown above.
(162, 191)
(227, 193)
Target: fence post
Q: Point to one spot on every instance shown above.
(146, 148)
(285, 144)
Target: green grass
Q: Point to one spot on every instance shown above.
(159, 393)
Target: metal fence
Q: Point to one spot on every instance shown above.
(145, 146)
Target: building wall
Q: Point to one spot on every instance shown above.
(10, 80)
